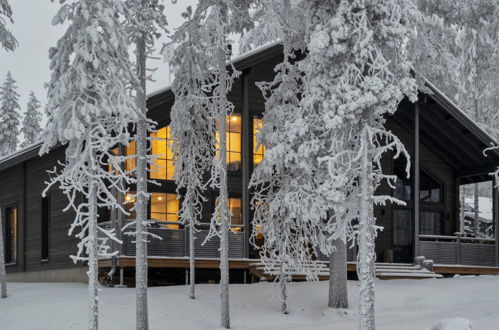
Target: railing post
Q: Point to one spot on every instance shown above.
(458, 248)
(187, 247)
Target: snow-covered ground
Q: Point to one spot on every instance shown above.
(401, 305)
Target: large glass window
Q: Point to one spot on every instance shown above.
(403, 185)
(163, 168)
(235, 214)
(258, 150)
(233, 134)
(430, 223)
(165, 207)
(10, 235)
(430, 190)
(477, 209)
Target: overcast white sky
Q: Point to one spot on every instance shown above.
(29, 64)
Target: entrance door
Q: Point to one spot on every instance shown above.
(403, 236)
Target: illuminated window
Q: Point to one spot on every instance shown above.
(131, 163)
(233, 134)
(165, 207)
(163, 168)
(258, 150)
(235, 212)
(129, 203)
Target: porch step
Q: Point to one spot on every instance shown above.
(421, 269)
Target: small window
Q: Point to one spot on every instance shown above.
(11, 235)
(258, 150)
(233, 135)
(430, 190)
(45, 228)
(163, 168)
(165, 207)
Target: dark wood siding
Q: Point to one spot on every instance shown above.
(11, 195)
(435, 166)
(61, 246)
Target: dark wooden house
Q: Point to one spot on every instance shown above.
(446, 148)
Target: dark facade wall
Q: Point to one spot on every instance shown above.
(61, 246)
(432, 164)
(11, 195)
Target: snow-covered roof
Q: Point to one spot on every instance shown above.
(465, 118)
(32, 150)
(28, 149)
(234, 60)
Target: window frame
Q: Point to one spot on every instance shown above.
(166, 140)
(45, 228)
(8, 237)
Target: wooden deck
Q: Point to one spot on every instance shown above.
(209, 263)
(180, 262)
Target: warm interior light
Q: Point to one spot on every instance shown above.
(128, 198)
(234, 118)
(160, 198)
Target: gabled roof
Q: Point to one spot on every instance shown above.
(480, 139)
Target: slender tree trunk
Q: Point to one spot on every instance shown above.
(3, 275)
(93, 270)
(192, 261)
(224, 231)
(224, 195)
(142, 197)
(366, 259)
(284, 294)
(338, 292)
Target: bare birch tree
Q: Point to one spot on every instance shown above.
(145, 19)
(193, 127)
(90, 110)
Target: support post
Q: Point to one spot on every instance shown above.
(416, 162)
(120, 215)
(458, 248)
(495, 213)
(247, 131)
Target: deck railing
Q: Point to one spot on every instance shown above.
(173, 241)
(460, 250)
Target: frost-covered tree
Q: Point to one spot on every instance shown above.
(286, 212)
(354, 73)
(221, 18)
(289, 208)
(193, 126)
(90, 110)
(7, 40)
(31, 122)
(144, 20)
(373, 77)
(217, 23)
(9, 116)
